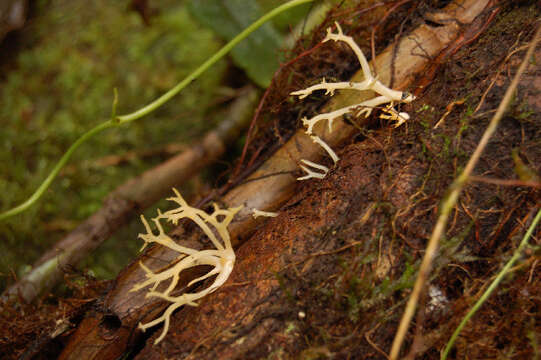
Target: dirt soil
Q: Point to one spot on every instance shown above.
(330, 276)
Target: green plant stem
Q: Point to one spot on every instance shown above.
(54, 172)
(492, 286)
(147, 109)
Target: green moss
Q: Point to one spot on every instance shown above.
(60, 84)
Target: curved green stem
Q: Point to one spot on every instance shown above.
(211, 61)
(54, 172)
(147, 109)
(492, 286)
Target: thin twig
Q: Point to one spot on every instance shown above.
(449, 202)
(493, 82)
(506, 182)
(375, 28)
(373, 344)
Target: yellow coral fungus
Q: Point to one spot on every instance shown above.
(222, 258)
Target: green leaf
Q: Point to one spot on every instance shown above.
(259, 54)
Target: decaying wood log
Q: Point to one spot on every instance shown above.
(107, 333)
(128, 201)
(249, 314)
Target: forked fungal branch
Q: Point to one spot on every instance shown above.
(323, 170)
(370, 82)
(386, 95)
(222, 258)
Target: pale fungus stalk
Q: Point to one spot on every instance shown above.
(324, 145)
(257, 213)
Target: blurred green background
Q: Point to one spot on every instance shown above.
(57, 76)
